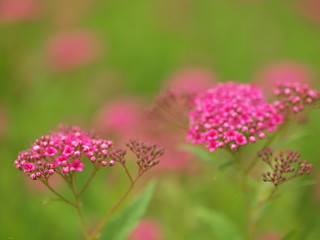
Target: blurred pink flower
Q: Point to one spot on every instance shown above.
(147, 229)
(72, 49)
(175, 158)
(283, 72)
(122, 118)
(311, 9)
(17, 10)
(193, 79)
(126, 118)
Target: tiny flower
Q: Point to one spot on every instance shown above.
(65, 169)
(28, 167)
(50, 151)
(76, 165)
(103, 163)
(111, 162)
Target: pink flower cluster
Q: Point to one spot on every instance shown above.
(231, 115)
(294, 97)
(63, 152)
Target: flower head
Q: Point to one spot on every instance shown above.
(64, 152)
(285, 165)
(231, 115)
(294, 97)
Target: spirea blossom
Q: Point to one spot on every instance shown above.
(294, 97)
(65, 151)
(231, 115)
(285, 165)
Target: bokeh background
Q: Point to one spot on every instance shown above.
(99, 64)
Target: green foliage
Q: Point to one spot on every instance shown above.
(121, 225)
(200, 152)
(220, 226)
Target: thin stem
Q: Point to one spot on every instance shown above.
(254, 221)
(78, 208)
(88, 182)
(114, 207)
(58, 194)
(267, 144)
(127, 172)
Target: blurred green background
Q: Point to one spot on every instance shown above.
(131, 48)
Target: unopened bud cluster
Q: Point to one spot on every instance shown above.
(294, 97)
(147, 155)
(285, 165)
(118, 155)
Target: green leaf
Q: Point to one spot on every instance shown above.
(293, 138)
(220, 225)
(121, 225)
(290, 235)
(227, 164)
(200, 152)
(294, 185)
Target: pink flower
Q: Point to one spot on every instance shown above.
(72, 49)
(50, 151)
(294, 97)
(146, 230)
(229, 114)
(28, 167)
(68, 150)
(62, 144)
(77, 165)
(190, 80)
(126, 118)
(122, 118)
(18, 10)
(283, 72)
